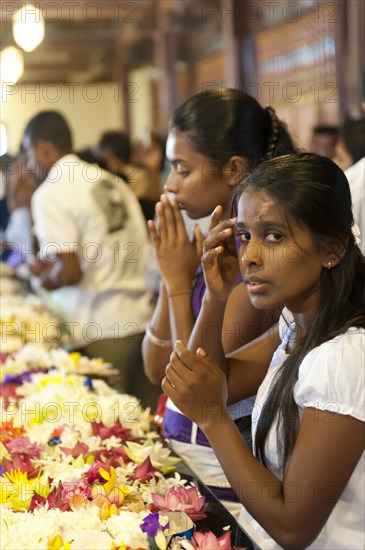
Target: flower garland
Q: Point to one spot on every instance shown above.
(25, 319)
(80, 467)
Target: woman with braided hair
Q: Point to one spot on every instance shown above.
(215, 138)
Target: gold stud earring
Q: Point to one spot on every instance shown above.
(329, 266)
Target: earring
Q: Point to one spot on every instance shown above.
(329, 266)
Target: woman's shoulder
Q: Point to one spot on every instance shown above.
(347, 349)
(333, 375)
(350, 342)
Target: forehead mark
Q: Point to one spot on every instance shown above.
(266, 206)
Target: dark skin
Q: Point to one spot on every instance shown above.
(198, 185)
(64, 271)
(196, 383)
(197, 386)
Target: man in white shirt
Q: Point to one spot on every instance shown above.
(356, 177)
(93, 254)
(350, 156)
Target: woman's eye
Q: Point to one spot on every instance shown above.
(244, 236)
(183, 174)
(273, 237)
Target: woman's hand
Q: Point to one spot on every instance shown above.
(177, 256)
(219, 259)
(196, 385)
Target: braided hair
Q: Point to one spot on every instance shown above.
(220, 124)
(274, 134)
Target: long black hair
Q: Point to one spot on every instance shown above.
(222, 123)
(314, 191)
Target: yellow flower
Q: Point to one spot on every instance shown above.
(17, 476)
(4, 452)
(111, 482)
(160, 540)
(42, 489)
(19, 490)
(75, 356)
(51, 379)
(107, 511)
(57, 544)
(78, 462)
(110, 496)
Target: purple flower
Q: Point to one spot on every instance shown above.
(55, 440)
(151, 525)
(17, 379)
(2, 470)
(88, 382)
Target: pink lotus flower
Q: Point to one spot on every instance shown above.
(8, 393)
(93, 474)
(54, 500)
(208, 541)
(117, 430)
(76, 493)
(21, 462)
(181, 499)
(114, 457)
(159, 414)
(77, 450)
(23, 445)
(144, 471)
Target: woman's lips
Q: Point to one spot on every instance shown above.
(255, 285)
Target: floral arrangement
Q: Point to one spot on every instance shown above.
(24, 319)
(38, 357)
(81, 468)
(9, 282)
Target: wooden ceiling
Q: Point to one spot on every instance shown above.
(89, 41)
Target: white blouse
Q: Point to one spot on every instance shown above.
(331, 378)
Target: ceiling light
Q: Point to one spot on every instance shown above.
(28, 27)
(11, 65)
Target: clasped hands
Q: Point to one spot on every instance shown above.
(43, 270)
(178, 256)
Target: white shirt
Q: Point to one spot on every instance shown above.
(356, 177)
(82, 208)
(331, 377)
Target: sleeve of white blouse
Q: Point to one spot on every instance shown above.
(332, 376)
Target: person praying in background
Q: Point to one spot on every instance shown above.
(94, 249)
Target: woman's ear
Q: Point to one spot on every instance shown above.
(334, 255)
(236, 169)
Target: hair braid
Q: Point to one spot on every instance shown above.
(274, 133)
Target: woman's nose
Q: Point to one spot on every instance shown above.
(251, 253)
(171, 185)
